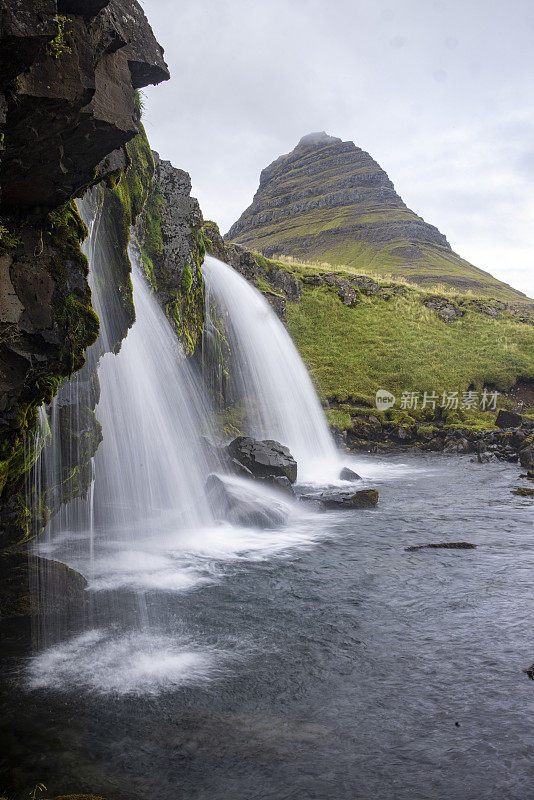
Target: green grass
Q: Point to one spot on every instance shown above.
(400, 345)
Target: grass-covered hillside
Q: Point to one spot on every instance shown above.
(359, 333)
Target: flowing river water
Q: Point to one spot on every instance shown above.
(320, 660)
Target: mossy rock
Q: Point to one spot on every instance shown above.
(20, 571)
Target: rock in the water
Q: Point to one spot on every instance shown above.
(265, 458)
(279, 482)
(530, 672)
(366, 498)
(240, 469)
(441, 545)
(347, 474)
(524, 491)
(508, 419)
(244, 503)
(526, 457)
(18, 571)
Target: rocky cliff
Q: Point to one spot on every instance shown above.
(69, 71)
(329, 201)
(169, 234)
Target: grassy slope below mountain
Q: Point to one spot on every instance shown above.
(389, 338)
(329, 202)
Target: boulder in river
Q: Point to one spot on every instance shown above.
(348, 474)
(264, 458)
(526, 457)
(245, 503)
(441, 545)
(365, 498)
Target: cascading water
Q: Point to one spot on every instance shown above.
(146, 531)
(268, 374)
(151, 466)
(146, 498)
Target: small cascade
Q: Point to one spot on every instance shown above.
(267, 374)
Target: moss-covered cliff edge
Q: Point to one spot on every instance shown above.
(171, 242)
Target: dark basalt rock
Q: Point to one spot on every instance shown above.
(265, 458)
(348, 474)
(78, 94)
(508, 419)
(526, 457)
(239, 505)
(240, 469)
(144, 54)
(279, 482)
(169, 232)
(446, 309)
(442, 546)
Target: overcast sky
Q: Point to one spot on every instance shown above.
(440, 93)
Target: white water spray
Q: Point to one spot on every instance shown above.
(268, 373)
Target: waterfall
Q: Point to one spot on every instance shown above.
(150, 469)
(146, 530)
(267, 373)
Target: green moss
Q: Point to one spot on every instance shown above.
(338, 418)
(427, 431)
(8, 240)
(187, 279)
(231, 421)
(59, 45)
(133, 187)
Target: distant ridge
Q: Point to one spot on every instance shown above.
(329, 201)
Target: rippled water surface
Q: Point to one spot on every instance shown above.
(319, 661)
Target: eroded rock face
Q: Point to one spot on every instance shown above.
(172, 248)
(78, 95)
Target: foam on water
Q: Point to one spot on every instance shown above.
(108, 662)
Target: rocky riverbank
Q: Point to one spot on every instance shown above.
(510, 439)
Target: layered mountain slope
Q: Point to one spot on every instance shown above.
(329, 202)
